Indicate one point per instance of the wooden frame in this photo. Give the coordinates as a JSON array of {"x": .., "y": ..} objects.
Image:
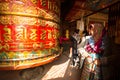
[{"x": 117, "y": 32}]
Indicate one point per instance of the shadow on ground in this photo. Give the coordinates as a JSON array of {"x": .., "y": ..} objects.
[{"x": 59, "y": 69}]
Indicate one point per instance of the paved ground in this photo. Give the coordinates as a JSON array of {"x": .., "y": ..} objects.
[{"x": 60, "y": 69}]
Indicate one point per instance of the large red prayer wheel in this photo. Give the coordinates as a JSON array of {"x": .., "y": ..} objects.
[{"x": 29, "y": 32}]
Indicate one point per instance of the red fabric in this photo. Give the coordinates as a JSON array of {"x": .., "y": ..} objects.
[
  {"x": 89, "y": 48},
  {"x": 96, "y": 47},
  {"x": 63, "y": 39}
]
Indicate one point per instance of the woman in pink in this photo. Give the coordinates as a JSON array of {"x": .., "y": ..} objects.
[{"x": 91, "y": 70}]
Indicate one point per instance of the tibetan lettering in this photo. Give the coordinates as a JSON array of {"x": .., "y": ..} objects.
[
  {"x": 49, "y": 34},
  {"x": 21, "y": 34},
  {"x": 7, "y": 34},
  {"x": 33, "y": 35}
]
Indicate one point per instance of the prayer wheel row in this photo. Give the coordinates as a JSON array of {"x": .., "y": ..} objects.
[{"x": 29, "y": 32}]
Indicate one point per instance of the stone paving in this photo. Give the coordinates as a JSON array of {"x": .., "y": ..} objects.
[{"x": 60, "y": 69}]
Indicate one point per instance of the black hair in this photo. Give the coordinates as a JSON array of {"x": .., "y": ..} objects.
[
  {"x": 76, "y": 31},
  {"x": 91, "y": 26}
]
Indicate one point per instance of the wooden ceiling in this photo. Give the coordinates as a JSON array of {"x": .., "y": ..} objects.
[{"x": 72, "y": 10}]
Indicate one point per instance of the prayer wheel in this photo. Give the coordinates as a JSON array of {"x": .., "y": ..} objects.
[{"x": 29, "y": 32}]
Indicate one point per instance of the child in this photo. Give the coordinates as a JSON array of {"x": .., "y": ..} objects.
[{"x": 75, "y": 39}]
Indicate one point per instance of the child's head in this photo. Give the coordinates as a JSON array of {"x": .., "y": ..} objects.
[{"x": 76, "y": 31}]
